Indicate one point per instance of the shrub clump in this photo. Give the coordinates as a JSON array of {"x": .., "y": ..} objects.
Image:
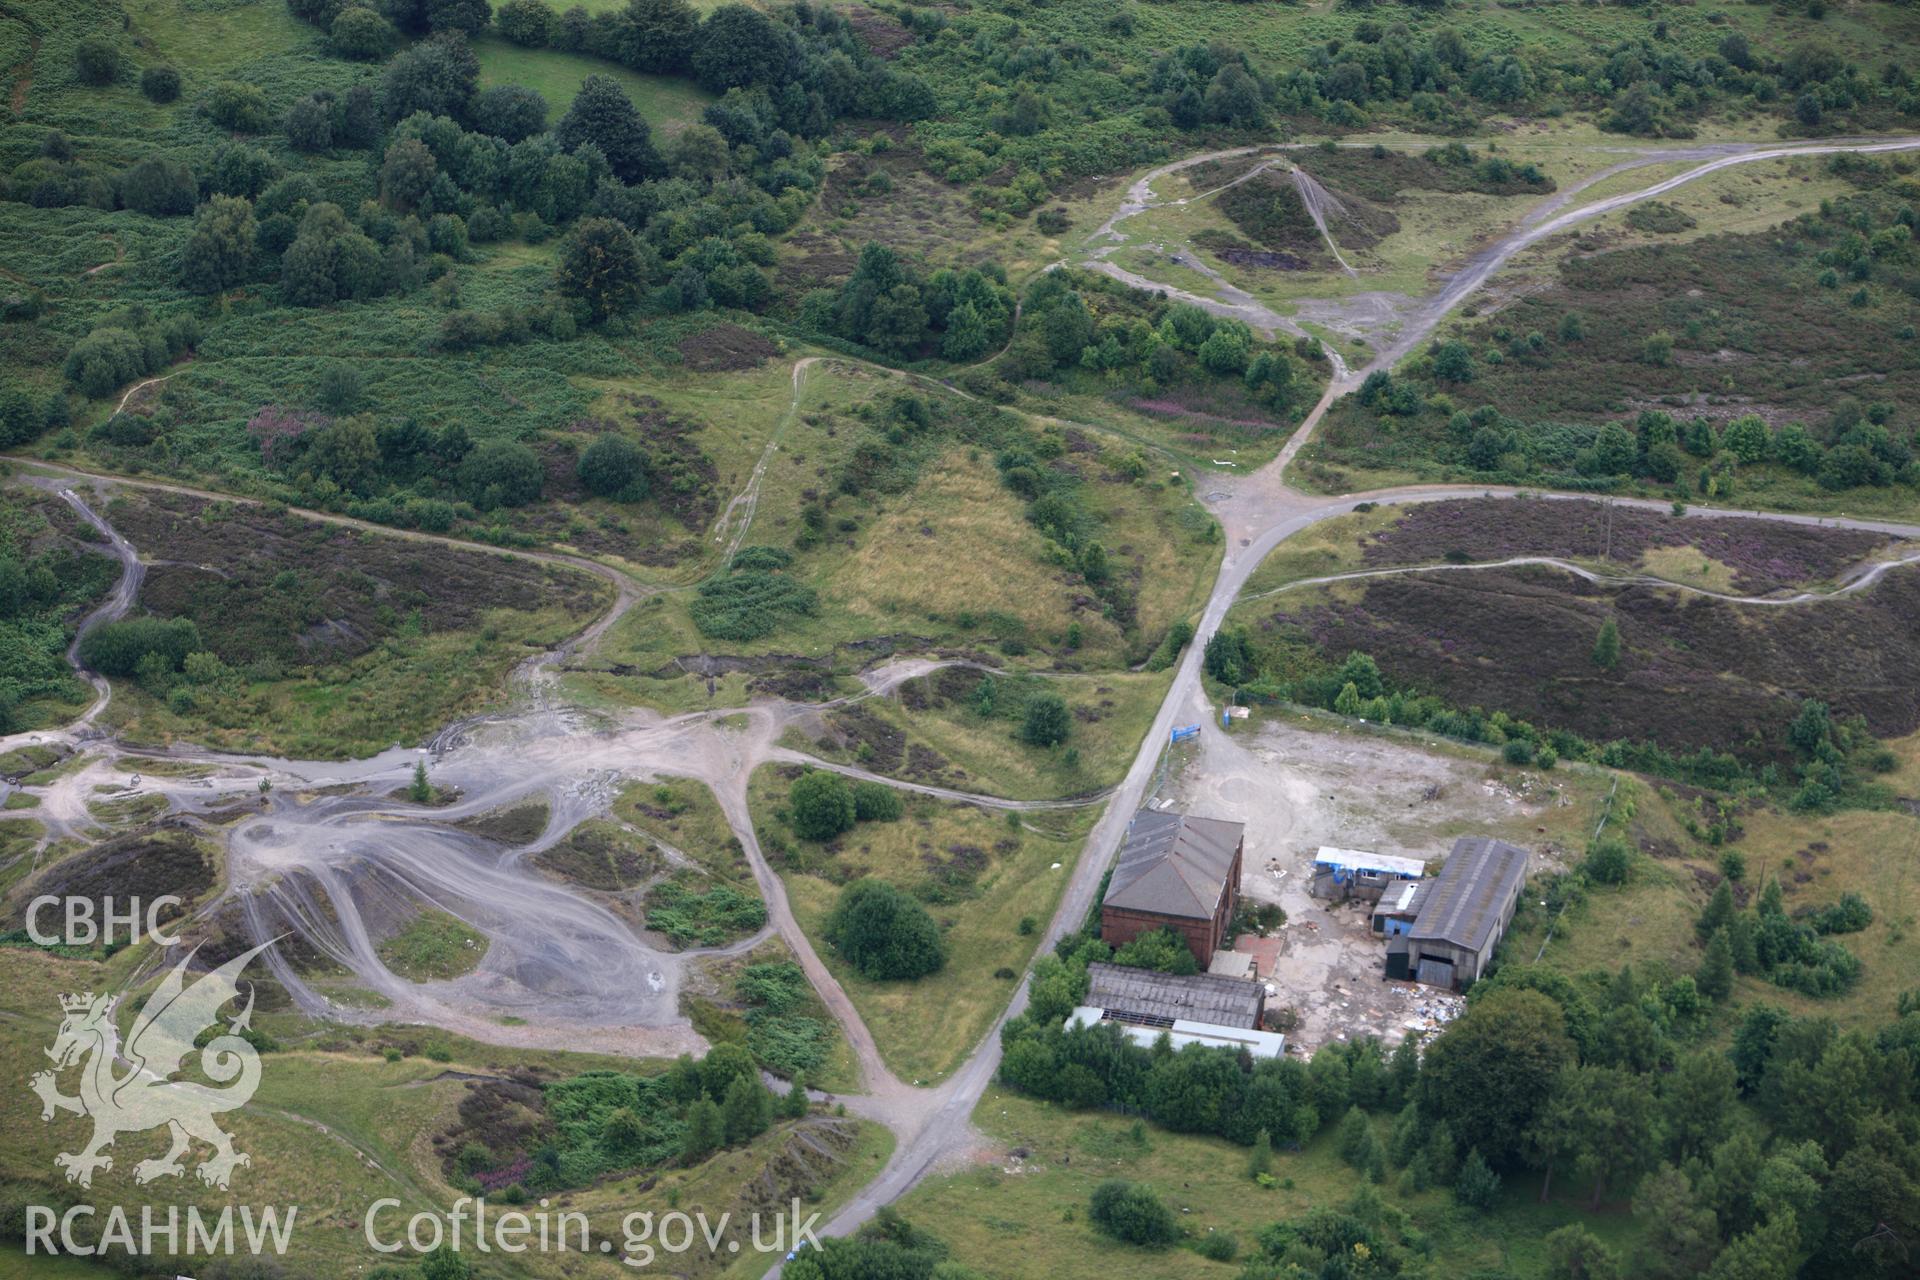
[
  {"x": 708, "y": 917},
  {"x": 884, "y": 934},
  {"x": 1129, "y": 1212},
  {"x": 160, "y": 84},
  {"x": 822, "y": 805},
  {"x": 878, "y": 802},
  {"x": 750, "y": 601}
]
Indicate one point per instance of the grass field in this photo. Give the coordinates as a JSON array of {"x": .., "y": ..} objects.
[
  {"x": 395, "y": 695},
  {"x": 667, "y": 102},
  {"x": 432, "y": 947},
  {"x": 936, "y": 552},
  {"x": 1649, "y": 921},
  {"x": 1029, "y": 1201},
  {"x": 684, "y": 816},
  {"x": 944, "y": 737},
  {"x": 984, "y": 877}
]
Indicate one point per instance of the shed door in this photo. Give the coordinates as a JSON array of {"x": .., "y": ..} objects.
[{"x": 1436, "y": 973}]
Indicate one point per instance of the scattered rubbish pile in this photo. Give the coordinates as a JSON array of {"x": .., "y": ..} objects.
[{"x": 1432, "y": 1009}]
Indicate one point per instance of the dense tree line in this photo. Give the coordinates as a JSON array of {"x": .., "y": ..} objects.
[
  {"x": 138, "y": 645},
  {"x": 1799, "y": 1140},
  {"x": 888, "y": 305},
  {"x": 1192, "y": 1090},
  {"x": 1646, "y": 86},
  {"x": 1077, "y": 320},
  {"x": 419, "y": 476},
  {"x": 805, "y": 57},
  {"x": 124, "y": 345}
]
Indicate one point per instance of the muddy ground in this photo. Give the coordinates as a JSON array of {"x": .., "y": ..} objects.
[{"x": 1297, "y": 788}]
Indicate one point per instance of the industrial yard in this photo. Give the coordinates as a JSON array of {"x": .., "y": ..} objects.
[{"x": 1300, "y": 782}]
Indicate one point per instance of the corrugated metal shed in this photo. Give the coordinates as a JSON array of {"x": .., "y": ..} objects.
[
  {"x": 1466, "y": 901},
  {"x": 1147, "y": 997},
  {"x": 1173, "y": 864}
]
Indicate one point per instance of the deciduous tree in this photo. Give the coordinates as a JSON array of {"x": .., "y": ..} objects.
[
  {"x": 1493, "y": 1069},
  {"x": 219, "y": 253},
  {"x": 602, "y": 266},
  {"x": 884, "y": 934},
  {"x": 822, "y": 805},
  {"x": 603, "y": 115}
]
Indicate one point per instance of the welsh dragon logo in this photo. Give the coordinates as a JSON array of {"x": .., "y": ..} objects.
[{"x": 145, "y": 1097}]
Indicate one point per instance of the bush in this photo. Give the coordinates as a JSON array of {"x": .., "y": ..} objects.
[
  {"x": 614, "y": 467},
  {"x": 603, "y": 266},
  {"x": 1162, "y": 950},
  {"x": 749, "y": 604},
  {"x": 510, "y": 111},
  {"x": 767, "y": 559},
  {"x": 160, "y": 84},
  {"x": 96, "y": 61},
  {"x": 1477, "y": 1186},
  {"x": 877, "y": 802},
  {"x": 309, "y": 125},
  {"x": 1046, "y": 722},
  {"x": 105, "y": 360},
  {"x": 822, "y": 804},
  {"x": 112, "y": 356},
  {"x": 1850, "y": 914},
  {"x": 160, "y": 188},
  {"x": 232, "y": 104},
  {"x": 525, "y": 22},
  {"x": 501, "y": 473},
  {"x": 361, "y": 35},
  {"x": 341, "y": 389},
  {"x": 707, "y": 917},
  {"x": 1133, "y": 1214},
  {"x": 1219, "y": 1246},
  {"x": 885, "y": 935},
  {"x": 1609, "y": 861}
]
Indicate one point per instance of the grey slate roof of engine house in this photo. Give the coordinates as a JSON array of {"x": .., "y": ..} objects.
[{"x": 1173, "y": 864}]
